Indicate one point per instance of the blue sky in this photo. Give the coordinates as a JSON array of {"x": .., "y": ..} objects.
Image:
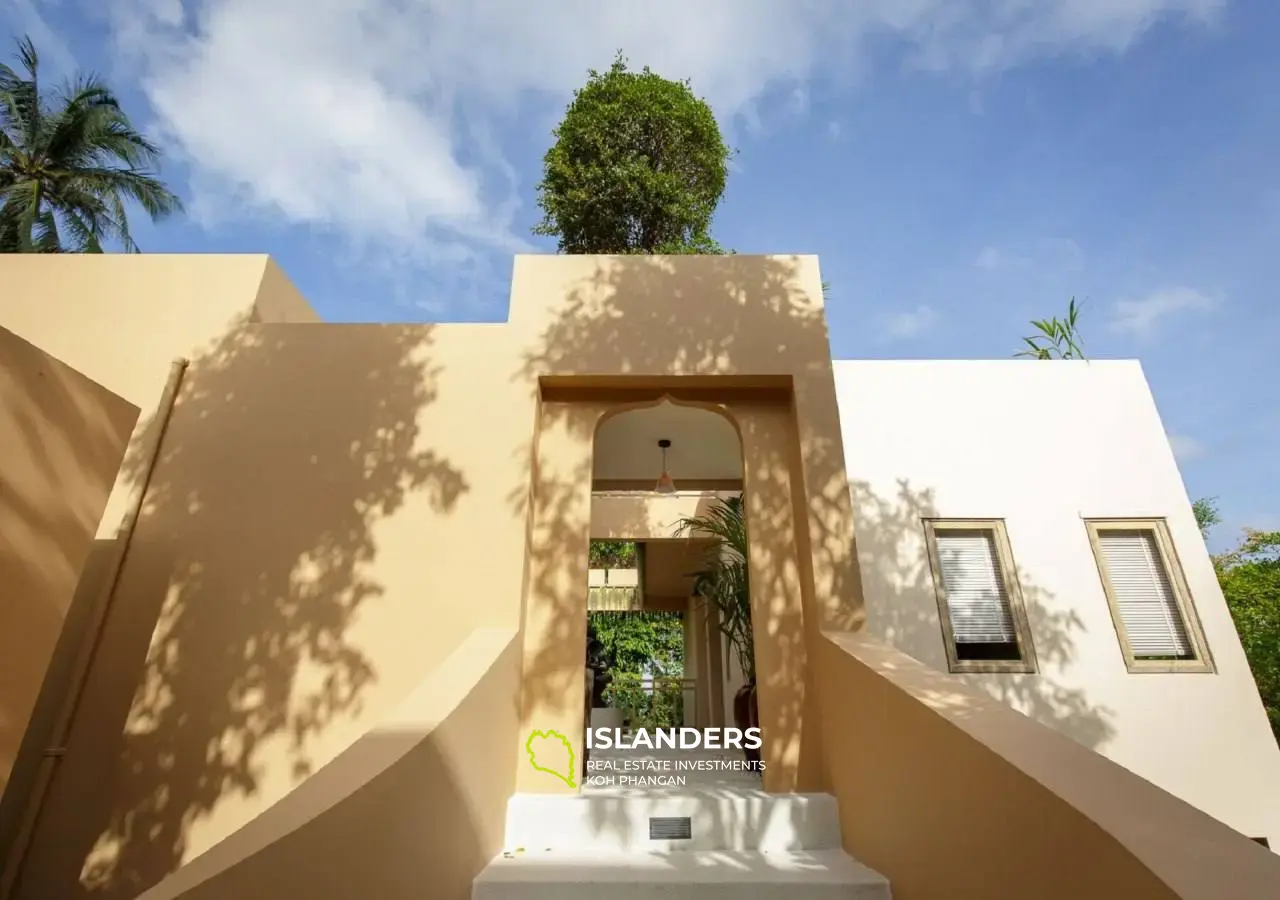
[{"x": 960, "y": 166}]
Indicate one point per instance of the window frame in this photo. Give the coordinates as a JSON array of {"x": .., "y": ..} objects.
[
  {"x": 1027, "y": 663},
  {"x": 1202, "y": 662}
]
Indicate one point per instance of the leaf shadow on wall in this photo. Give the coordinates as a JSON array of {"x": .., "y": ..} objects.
[
  {"x": 666, "y": 319},
  {"x": 63, "y": 439},
  {"x": 895, "y": 571},
  {"x": 652, "y": 317},
  {"x": 226, "y": 655}
]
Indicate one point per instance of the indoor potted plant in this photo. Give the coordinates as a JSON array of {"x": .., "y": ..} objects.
[{"x": 723, "y": 581}]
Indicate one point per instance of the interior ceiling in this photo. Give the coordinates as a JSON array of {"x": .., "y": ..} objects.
[
  {"x": 703, "y": 445},
  {"x": 668, "y": 564}
]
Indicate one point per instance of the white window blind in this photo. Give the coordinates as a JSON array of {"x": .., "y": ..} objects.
[
  {"x": 1143, "y": 595},
  {"x": 975, "y": 587}
]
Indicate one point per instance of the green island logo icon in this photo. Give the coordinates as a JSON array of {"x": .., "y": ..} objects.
[{"x": 547, "y": 747}]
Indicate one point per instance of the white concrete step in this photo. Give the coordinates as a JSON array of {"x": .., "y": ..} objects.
[
  {"x": 705, "y": 875},
  {"x": 718, "y": 819}
]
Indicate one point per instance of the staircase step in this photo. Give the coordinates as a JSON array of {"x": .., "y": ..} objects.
[
  {"x": 718, "y": 819},
  {"x": 702, "y": 875}
]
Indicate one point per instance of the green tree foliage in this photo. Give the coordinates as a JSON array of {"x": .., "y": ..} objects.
[
  {"x": 1250, "y": 579},
  {"x": 612, "y": 555},
  {"x": 638, "y": 166},
  {"x": 1206, "y": 510},
  {"x": 70, "y": 163},
  {"x": 639, "y": 643},
  {"x": 1055, "y": 338},
  {"x": 657, "y": 704}
]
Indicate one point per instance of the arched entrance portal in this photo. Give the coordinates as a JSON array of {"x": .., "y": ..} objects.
[
  {"x": 665, "y": 649},
  {"x": 567, "y": 512}
]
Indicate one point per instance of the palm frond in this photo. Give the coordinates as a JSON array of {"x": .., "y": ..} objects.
[
  {"x": 82, "y": 161},
  {"x": 724, "y": 581},
  {"x": 86, "y": 240},
  {"x": 28, "y": 91},
  {"x": 140, "y": 187},
  {"x": 44, "y": 233},
  {"x": 20, "y": 212}
]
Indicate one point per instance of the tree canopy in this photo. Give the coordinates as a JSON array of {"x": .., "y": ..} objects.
[
  {"x": 640, "y": 643},
  {"x": 70, "y": 163},
  {"x": 638, "y": 166},
  {"x": 1250, "y": 579},
  {"x": 612, "y": 555},
  {"x": 1206, "y": 512}
]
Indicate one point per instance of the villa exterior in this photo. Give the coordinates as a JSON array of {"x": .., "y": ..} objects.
[{"x": 284, "y": 600}]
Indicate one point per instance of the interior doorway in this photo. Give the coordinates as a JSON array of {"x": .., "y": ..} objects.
[
  {"x": 639, "y": 636},
  {"x": 669, "y": 636}
]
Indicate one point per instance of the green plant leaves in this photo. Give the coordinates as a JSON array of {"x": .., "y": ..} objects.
[
  {"x": 638, "y": 166},
  {"x": 1058, "y": 338},
  {"x": 612, "y": 555},
  {"x": 724, "y": 581},
  {"x": 70, "y": 163}
]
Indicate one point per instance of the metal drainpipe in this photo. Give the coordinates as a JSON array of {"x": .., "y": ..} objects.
[{"x": 83, "y": 664}]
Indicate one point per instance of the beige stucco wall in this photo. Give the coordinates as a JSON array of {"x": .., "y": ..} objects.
[
  {"x": 275, "y": 604},
  {"x": 1044, "y": 445},
  {"x": 62, "y": 437},
  {"x": 952, "y": 793},
  {"x": 669, "y": 564},
  {"x": 122, "y": 323},
  {"x": 344, "y": 520},
  {"x": 418, "y": 799},
  {"x": 334, "y": 513}
]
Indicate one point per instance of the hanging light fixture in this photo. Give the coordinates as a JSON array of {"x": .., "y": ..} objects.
[{"x": 665, "y": 485}]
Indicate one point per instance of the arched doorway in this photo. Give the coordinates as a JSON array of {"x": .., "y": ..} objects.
[
  {"x": 665, "y": 648},
  {"x": 566, "y": 513}
]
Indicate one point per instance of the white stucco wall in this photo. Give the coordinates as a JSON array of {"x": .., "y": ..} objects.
[{"x": 1043, "y": 446}]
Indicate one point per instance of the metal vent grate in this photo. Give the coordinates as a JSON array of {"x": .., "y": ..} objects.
[{"x": 670, "y": 828}]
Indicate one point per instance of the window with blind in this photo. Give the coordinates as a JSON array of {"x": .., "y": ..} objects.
[
  {"x": 979, "y": 601},
  {"x": 1148, "y": 598}
]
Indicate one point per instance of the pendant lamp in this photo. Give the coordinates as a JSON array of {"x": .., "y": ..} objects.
[{"x": 665, "y": 485}]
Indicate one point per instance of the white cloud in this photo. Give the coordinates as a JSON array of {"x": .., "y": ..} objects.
[
  {"x": 991, "y": 258},
  {"x": 799, "y": 101},
  {"x": 1186, "y": 448},
  {"x": 1140, "y": 317},
  {"x": 1046, "y": 254},
  {"x": 56, "y": 59},
  {"x": 834, "y": 128},
  {"x": 367, "y": 116},
  {"x": 902, "y": 326}
]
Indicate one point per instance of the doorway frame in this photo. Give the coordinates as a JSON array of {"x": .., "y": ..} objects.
[{"x": 564, "y": 519}]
